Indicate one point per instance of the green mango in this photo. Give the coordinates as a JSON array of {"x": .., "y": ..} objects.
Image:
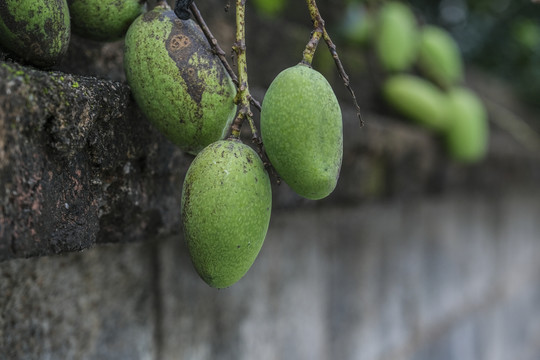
[
  {"x": 36, "y": 31},
  {"x": 226, "y": 206},
  {"x": 468, "y": 132},
  {"x": 439, "y": 56},
  {"x": 103, "y": 20},
  {"x": 302, "y": 131},
  {"x": 417, "y": 99},
  {"x": 396, "y": 38},
  {"x": 177, "y": 81}
]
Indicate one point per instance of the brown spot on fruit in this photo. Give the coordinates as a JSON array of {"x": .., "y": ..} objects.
[
  {"x": 186, "y": 92},
  {"x": 178, "y": 42}
]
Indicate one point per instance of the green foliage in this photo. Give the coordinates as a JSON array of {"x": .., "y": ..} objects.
[
  {"x": 301, "y": 128},
  {"x": 226, "y": 206}
]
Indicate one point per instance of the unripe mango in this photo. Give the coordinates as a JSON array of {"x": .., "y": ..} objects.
[
  {"x": 226, "y": 206},
  {"x": 468, "y": 132},
  {"x": 439, "y": 56},
  {"x": 103, "y": 20},
  {"x": 177, "y": 81},
  {"x": 396, "y": 38},
  {"x": 36, "y": 31},
  {"x": 417, "y": 99},
  {"x": 302, "y": 131}
]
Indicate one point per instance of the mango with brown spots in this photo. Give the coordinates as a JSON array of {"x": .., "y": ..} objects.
[{"x": 177, "y": 81}]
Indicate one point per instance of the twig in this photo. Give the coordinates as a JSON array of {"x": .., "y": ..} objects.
[
  {"x": 319, "y": 31},
  {"x": 239, "y": 48},
  {"x": 343, "y": 74},
  {"x": 316, "y": 34},
  {"x": 219, "y": 51},
  {"x": 213, "y": 42},
  {"x": 254, "y": 102},
  {"x": 243, "y": 97}
]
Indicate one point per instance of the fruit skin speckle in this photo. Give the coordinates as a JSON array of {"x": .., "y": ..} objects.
[
  {"x": 226, "y": 206},
  {"x": 36, "y": 31},
  {"x": 179, "y": 84},
  {"x": 103, "y": 20},
  {"x": 302, "y": 130}
]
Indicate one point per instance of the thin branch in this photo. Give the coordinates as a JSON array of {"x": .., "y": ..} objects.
[
  {"x": 319, "y": 31},
  {"x": 243, "y": 97},
  {"x": 219, "y": 51},
  {"x": 239, "y": 48},
  {"x": 343, "y": 74},
  {"x": 316, "y": 34},
  {"x": 213, "y": 42}
]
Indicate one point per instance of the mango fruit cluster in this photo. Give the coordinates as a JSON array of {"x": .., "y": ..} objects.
[
  {"x": 185, "y": 92},
  {"x": 226, "y": 196},
  {"x": 424, "y": 77},
  {"x": 183, "y": 89}
]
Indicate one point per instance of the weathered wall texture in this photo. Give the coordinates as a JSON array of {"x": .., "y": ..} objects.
[
  {"x": 413, "y": 257},
  {"x": 77, "y": 163},
  {"x": 449, "y": 277}
]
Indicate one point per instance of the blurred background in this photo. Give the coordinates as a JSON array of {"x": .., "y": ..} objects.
[
  {"x": 500, "y": 37},
  {"x": 421, "y": 253}
]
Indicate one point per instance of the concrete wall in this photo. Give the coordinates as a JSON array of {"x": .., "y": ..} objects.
[{"x": 449, "y": 277}]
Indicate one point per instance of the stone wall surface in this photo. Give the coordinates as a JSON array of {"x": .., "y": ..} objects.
[
  {"x": 412, "y": 257},
  {"x": 449, "y": 277}
]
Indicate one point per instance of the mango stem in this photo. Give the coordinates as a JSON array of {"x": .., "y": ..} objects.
[
  {"x": 213, "y": 42},
  {"x": 239, "y": 48},
  {"x": 319, "y": 31},
  {"x": 316, "y": 34}
]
